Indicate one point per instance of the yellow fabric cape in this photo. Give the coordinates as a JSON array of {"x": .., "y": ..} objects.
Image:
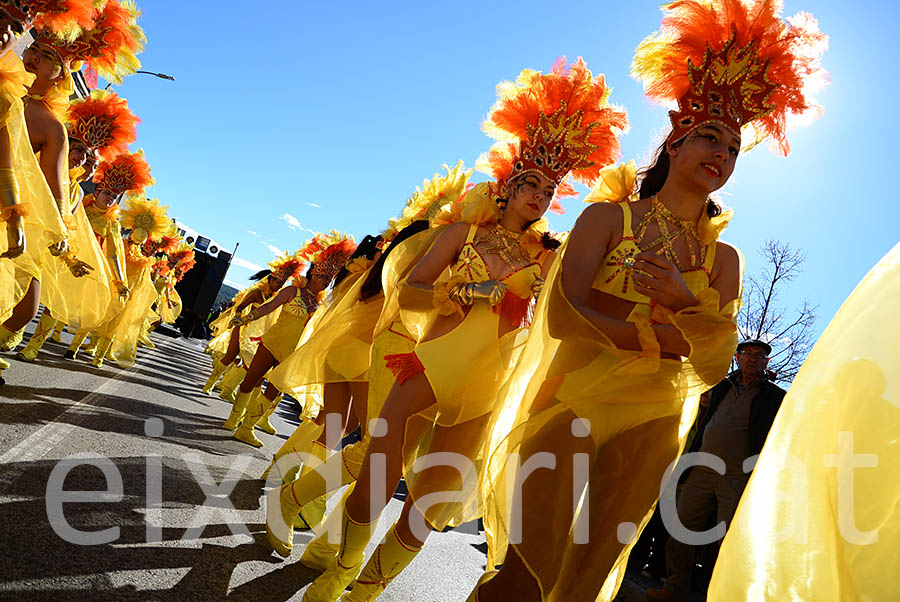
[
  {"x": 816, "y": 522},
  {"x": 43, "y": 225}
]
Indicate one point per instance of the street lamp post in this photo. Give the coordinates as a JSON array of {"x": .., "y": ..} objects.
[{"x": 159, "y": 75}]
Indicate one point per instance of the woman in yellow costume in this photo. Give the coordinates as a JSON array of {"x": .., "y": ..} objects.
[
  {"x": 119, "y": 338},
  {"x": 178, "y": 263},
  {"x": 22, "y": 183},
  {"x": 350, "y": 321},
  {"x": 317, "y": 397},
  {"x": 109, "y": 45},
  {"x": 124, "y": 173},
  {"x": 467, "y": 322},
  {"x": 298, "y": 302},
  {"x": 163, "y": 278},
  {"x": 639, "y": 317},
  {"x": 145, "y": 219},
  {"x": 31, "y": 219},
  {"x": 101, "y": 124},
  {"x": 233, "y": 345}
]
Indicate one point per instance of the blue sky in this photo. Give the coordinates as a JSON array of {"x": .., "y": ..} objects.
[{"x": 302, "y": 116}]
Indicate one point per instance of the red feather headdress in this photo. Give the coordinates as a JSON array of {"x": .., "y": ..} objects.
[
  {"x": 287, "y": 266},
  {"x": 735, "y": 63},
  {"x": 63, "y": 17},
  {"x": 126, "y": 173},
  {"x": 334, "y": 255},
  {"x": 103, "y": 122},
  {"x": 109, "y": 47},
  {"x": 555, "y": 124}
]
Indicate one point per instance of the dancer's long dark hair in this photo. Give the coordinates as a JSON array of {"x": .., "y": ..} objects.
[
  {"x": 367, "y": 248},
  {"x": 372, "y": 284}
]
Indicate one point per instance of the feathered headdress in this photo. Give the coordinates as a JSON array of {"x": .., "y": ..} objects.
[
  {"x": 287, "y": 266},
  {"x": 554, "y": 124},
  {"x": 167, "y": 243},
  {"x": 64, "y": 17},
  {"x": 126, "y": 173},
  {"x": 427, "y": 200},
  {"x": 181, "y": 259},
  {"x": 103, "y": 122},
  {"x": 146, "y": 219},
  {"x": 735, "y": 63},
  {"x": 109, "y": 48},
  {"x": 336, "y": 249}
]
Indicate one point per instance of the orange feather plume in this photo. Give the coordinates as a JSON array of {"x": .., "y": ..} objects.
[
  {"x": 739, "y": 47},
  {"x": 126, "y": 173},
  {"x": 63, "y": 17},
  {"x": 555, "y": 124},
  {"x": 103, "y": 122}
]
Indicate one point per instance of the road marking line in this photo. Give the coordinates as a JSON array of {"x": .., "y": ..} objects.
[{"x": 42, "y": 441}]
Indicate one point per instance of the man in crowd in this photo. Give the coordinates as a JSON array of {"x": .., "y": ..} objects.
[{"x": 741, "y": 410}]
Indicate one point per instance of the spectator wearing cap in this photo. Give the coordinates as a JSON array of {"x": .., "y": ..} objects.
[{"x": 734, "y": 428}]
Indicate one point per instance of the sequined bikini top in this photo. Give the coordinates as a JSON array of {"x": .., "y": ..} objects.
[
  {"x": 617, "y": 268},
  {"x": 471, "y": 267},
  {"x": 297, "y": 306}
]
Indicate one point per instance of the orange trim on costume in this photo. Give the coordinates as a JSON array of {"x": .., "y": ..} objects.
[{"x": 404, "y": 366}]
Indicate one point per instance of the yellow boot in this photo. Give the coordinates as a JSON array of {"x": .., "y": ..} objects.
[
  {"x": 245, "y": 432},
  {"x": 311, "y": 510},
  {"x": 76, "y": 344},
  {"x": 286, "y": 461},
  {"x": 286, "y": 512},
  {"x": 321, "y": 552},
  {"x": 57, "y": 332},
  {"x": 310, "y": 490},
  {"x": 42, "y": 332},
  {"x": 218, "y": 370},
  {"x": 264, "y": 424},
  {"x": 3, "y": 366},
  {"x": 238, "y": 411},
  {"x": 101, "y": 351},
  {"x": 9, "y": 340},
  {"x": 230, "y": 382},
  {"x": 388, "y": 561},
  {"x": 345, "y": 567}
]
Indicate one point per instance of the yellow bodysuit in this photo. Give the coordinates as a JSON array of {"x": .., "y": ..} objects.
[{"x": 283, "y": 336}]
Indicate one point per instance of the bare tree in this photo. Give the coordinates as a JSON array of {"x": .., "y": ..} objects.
[{"x": 788, "y": 330}]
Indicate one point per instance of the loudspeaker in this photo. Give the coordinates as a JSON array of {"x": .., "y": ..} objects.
[{"x": 199, "y": 288}]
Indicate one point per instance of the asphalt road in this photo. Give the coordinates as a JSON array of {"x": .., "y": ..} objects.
[{"x": 66, "y": 426}]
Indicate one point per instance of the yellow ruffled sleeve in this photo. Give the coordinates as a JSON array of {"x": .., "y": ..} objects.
[{"x": 712, "y": 334}]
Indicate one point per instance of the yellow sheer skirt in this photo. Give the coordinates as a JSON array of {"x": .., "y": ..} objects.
[
  {"x": 465, "y": 368},
  {"x": 81, "y": 302}
]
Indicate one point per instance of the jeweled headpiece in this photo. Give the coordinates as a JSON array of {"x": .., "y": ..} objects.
[
  {"x": 126, "y": 173},
  {"x": 109, "y": 47},
  {"x": 554, "y": 124},
  {"x": 146, "y": 219},
  {"x": 336, "y": 250},
  {"x": 287, "y": 266},
  {"x": 734, "y": 63},
  {"x": 181, "y": 259},
  {"x": 103, "y": 122}
]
